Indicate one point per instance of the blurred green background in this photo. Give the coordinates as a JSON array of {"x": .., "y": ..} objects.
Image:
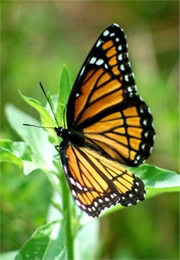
[{"x": 37, "y": 39}]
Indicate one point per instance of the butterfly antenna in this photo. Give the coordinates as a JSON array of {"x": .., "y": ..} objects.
[
  {"x": 49, "y": 103},
  {"x": 39, "y": 126}
]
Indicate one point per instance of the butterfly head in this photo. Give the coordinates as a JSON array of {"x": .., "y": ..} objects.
[{"x": 61, "y": 132}]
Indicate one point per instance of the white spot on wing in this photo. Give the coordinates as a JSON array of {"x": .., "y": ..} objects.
[
  {"x": 141, "y": 110},
  {"x": 115, "y": 24},
  {"x": 78, "y": 185},
  {"x": 120, "y": 48},
  {"x": 131, "y": 94},
  {"x": 74, "y": 193},
  {"x": 143, "y": 146},
  {"x": 95, "y": 204},
  {"x": 112, "y": 34},
  {"x": 122, "y": 67},
  {"x": 72, "y": 180},
  {"x": 82, "y": 70},
  {"x": 92, "y": 60},
  {"x": 98, "y": 43},
  {"x": 146, "y": 134},
  {"x": 120, "y": 57},
  {"x": 106, "y": 32},
  {"x": 100, "y": 61},
  {"x": 106, "y": 66},
  {"x": 145, "y": 122},
  {"x": 126, "y": 77},
  {"x": 135, "y": 162},
  {"x": 129, "y": 89},
  {"x": 78, "y": 203}
]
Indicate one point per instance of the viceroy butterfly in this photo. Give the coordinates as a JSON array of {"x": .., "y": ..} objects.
[{"x": 109, "y": 126}]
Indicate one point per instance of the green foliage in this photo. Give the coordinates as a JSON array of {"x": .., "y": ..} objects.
[
  {"x": 63, "y": 94},
  {"x": 45, "y": 243},
  {"x": 62, "y": 238}
]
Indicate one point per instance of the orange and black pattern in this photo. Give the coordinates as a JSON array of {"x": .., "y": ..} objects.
[
  {"x": 98, "y": 183},
  {"x": 126, "y": 135},
  {"x": 104, "y": 105},
  {"x": 108, "y": 124}
]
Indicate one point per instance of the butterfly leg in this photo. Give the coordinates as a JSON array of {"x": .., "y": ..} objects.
[
  {"x": 57, "y": 147},
  {"x": 56, "y": 156}
]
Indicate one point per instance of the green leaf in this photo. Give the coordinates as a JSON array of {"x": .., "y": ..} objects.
[
  {"x": 17, "y": 153},
  {"x": 49, "y": 242},
  {"x": 37, "y": 139},
  {"x": 14, "y": 152},
  {"x": 64, "y": 90},
  {"x": 19, "y": 149},
  {"x": 156, "y": 180},
  {"x": 46, "y": 243},
  {"x": 64, "y": 86},
  {"x": 46, "y": 119},
  {"x": 8, "y": 156}
]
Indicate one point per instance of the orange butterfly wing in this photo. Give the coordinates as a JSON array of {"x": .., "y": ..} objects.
[
  {"x": 109, "y": 121},
  {"x": 104, "y": 105},
  {"x": 97, "y": 182}
]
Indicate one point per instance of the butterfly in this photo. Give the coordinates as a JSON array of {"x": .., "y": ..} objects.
[{"x": 109, "y": 127}]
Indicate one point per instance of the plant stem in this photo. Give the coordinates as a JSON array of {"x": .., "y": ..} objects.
[{"x": 67, "y": 218}]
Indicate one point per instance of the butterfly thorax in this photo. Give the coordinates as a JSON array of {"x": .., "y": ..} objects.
[{"x": 72, "y": 136}]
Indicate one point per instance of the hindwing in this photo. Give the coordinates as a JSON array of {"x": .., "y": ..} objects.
[{"x": 97, "y": 182}]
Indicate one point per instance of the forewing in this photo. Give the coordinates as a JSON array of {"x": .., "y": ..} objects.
[
  {"x": 97, "y": 182},
  {"x": 104, "y": 105},
  {"x": 103, "y": 79}
]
